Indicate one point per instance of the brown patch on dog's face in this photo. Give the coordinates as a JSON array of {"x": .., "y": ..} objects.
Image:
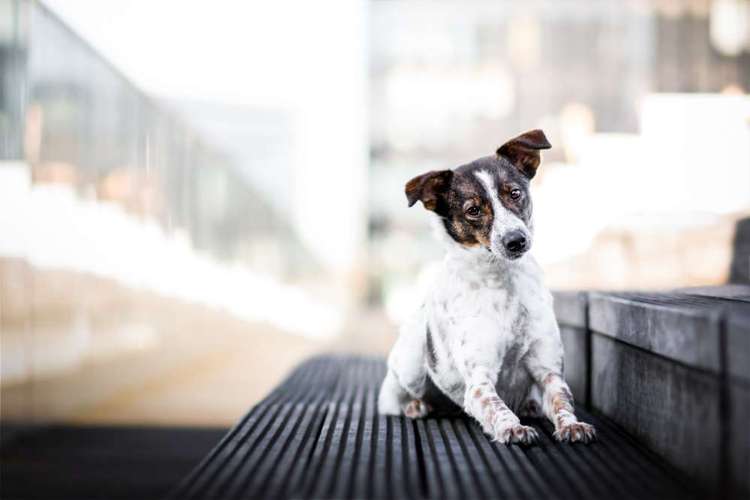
[
  {"x": 458, "y": 198},
  {"x": 468, "y": 218}
]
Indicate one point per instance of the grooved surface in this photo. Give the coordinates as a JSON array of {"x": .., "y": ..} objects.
[
  {"x": 318, "y": 435},
  {"x": 66, "y": 462}
]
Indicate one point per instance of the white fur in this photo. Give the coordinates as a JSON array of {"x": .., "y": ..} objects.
[
  {"x": 494, "y": 335},
  {"x": 503, "y": 220}
]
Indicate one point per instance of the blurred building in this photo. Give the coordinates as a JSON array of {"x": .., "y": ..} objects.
[
  {"x": 202, "y": 205},
  {"x": 146, "y": 239}
]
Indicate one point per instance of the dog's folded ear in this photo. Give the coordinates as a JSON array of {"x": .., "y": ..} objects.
[
  {"x": 523, "y": 151},
  {"x": 430, "y": 188}
]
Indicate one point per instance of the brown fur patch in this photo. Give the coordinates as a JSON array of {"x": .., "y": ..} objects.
[
  {"x": 523, "y": 151},
  {"x": 561, "y": 402}
]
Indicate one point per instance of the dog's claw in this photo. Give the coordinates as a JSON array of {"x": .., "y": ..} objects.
[
  {"x": 520, "y": 434},
  {"x": 576, "y": 432}
]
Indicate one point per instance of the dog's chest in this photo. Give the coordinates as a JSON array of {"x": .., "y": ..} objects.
[
  {"x": 478, "y": 320},
  {"x": 482, "y": 314},
  {"x": 472, "y": 303}
]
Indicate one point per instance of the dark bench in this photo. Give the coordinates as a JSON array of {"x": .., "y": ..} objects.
[
  {"x": 665, "y": 377},
  {"x": 318, "y": 435}
]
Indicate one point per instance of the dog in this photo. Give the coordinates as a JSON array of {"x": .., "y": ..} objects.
[{"x": 486, "y": 334}]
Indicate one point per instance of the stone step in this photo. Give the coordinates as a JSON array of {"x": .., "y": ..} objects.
[{"x": 672, "y": 368}]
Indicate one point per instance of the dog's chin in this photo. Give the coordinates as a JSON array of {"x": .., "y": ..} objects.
[{"x": 506, "y": 255}]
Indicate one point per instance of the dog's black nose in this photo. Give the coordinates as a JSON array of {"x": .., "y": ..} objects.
[{"x": 515, "y": 242}]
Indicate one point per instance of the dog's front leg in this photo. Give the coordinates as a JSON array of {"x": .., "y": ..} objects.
[
  {"x": 545, "y": 365},
  {"x": 557, "y": 404},
  {"x": 482, "y": 402}
]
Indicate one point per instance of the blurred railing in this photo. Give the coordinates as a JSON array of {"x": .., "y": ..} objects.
[{"x": 111, "y": 206}]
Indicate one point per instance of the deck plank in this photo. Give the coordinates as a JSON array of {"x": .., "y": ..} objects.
[{"x": 319, "y": 436}]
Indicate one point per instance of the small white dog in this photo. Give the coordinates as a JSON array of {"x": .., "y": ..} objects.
[{"x": 486, "y": 335}]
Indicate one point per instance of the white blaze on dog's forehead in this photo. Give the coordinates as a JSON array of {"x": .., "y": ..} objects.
[
  {"x": 489, "y": 185},
  {"x": 504, "y": 220}
]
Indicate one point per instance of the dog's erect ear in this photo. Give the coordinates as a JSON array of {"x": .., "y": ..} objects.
[
  {"x": 523, "y": 151},
  {"x": 429, "y": 188}
]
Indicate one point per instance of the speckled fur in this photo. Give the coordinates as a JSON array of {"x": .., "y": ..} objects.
[{"x": 486, "y": 334}]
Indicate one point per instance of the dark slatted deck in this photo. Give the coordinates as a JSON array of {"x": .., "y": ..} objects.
[
  {"x": 318, "y": 435},
  {"x": 64, "y": 462}
]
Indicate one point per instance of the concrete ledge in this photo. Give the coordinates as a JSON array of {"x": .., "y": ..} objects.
[
  {"x": 738, "y": 375},
  {"x": 673, "y": 408},
  {"x": 736, "y": 291},
  {"x": 570, "y": 308},
  {"x": 571, "y": 313},
  {"x": 738, "y": 341},
  {"x": 739, "y": 439},
  {"x": 576, "y": 362},
  {"x": 681, "y": 328},
  {"x": 673, "y": 369}
]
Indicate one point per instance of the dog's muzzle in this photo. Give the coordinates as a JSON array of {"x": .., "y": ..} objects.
[{"x": 515, "y": 244}]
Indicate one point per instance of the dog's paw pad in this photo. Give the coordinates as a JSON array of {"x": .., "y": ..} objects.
[
  {"x": 576, "y": 432},
  {"x": 520, "y": 434},
  {"x": 416, "y": 409}
]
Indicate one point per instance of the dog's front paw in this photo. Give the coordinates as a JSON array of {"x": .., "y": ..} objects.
[
  {"x": 516, "y": 433},
  {"x": 575, "y": 432}
]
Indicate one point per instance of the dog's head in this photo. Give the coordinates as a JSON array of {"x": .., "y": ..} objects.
[{"x": 486, "y": 203}]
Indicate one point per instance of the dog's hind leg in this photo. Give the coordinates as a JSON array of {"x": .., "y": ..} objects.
[
  {"x": 404, "y": 384},
  {"x": 395, "y": 400},
  {"x": 393, "y": 397}
]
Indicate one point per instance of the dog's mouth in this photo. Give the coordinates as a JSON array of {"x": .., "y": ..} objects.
[
  {"x": 514, "y": 255},
  {"x": 503, "y": 252}
]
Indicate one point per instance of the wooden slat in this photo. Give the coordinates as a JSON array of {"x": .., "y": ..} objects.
[{"x": 319, "y": 436}]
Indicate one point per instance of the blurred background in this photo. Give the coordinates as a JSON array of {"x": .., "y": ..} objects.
[{"x": 194, "y": 197}]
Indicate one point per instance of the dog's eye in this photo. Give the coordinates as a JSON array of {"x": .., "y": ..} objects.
[
  {"x": 515, "y": 194},
  {"x": 473, "y": 211}
]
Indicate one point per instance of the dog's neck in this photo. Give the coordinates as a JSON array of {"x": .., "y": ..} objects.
[{"x": 478, "y": 264}]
